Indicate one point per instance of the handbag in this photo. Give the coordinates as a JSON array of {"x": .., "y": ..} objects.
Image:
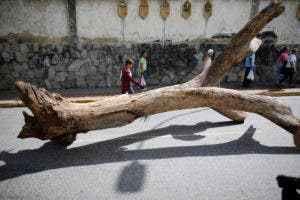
[
  {"x": 143, "y": 81},
  {"x": 250, "y": 75},
  {"x": 283, "y": 68}
]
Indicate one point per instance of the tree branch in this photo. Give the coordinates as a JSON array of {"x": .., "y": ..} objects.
[{"x": 238, "y": 48}]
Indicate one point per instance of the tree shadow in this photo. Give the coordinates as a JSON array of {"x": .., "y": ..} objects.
[
  {"x": 54, "y": 156},
  {"x": 180, "y": 133},
  {"x": 132, "y": 178},
  {"x": 178, "y": 116}
]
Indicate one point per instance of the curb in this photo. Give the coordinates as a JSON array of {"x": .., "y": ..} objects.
[
  {"x": 11, "y": 103},
  {"x": 279, "y": 94}
]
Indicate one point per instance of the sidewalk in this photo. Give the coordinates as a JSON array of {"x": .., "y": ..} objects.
[{"x": 10, "y": 98}]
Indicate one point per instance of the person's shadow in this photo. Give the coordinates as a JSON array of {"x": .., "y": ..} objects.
[{"x": 54, "y": 156}]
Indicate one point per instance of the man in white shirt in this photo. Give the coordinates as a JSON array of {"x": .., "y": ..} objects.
[
  {"x": 207, "y": 59},
  {"x": 291, "y": 67}
]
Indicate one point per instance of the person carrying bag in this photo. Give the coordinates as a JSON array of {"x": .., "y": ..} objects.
[
  {"x": 143, "y": 68},
  {"x": 249, "y": 70}
]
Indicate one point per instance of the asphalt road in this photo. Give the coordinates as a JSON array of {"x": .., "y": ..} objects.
[{"x": 187, "y": 154}]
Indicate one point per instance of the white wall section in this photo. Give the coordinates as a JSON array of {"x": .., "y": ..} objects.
[
  {"x": 98, "y": 19},
  {"x": 39, "y": 18}
]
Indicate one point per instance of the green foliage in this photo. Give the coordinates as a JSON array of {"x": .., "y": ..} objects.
[
  {"x": 146, "y": 118},
  {"x": 83, "y": 101}
]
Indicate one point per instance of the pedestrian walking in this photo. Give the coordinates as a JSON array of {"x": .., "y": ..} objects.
[
  {"x": 199, "y": 56},
  {"x": 249, "y": 70},
  {"x": 207, "y": 59},
  {"x": 282, "y": 61},
  {"x": 290, "y": 68},
  {"x": 143, "y": 68},
  {"x": 126, "y": 78}
]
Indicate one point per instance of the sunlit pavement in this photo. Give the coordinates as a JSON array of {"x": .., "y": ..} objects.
[{"x": 188, "y": 154}]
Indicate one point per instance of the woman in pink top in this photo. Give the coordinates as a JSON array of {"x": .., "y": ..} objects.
[{"x": 284, "y": 54}]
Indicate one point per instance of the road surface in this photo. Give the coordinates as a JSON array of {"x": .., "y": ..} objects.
[{"x": 187, "y": 154}]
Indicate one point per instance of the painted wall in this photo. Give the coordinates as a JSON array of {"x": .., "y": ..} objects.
[
  {"x": 229, "y": 16},
  {"x": 287, "y": 26},
  {"x": 98, "y": 19},
  {"x": 39, "y": 18}
]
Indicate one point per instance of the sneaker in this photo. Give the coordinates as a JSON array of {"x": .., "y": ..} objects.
[
  {"x": 277, "y": 85},
  {"x": 282, "y": 85}
]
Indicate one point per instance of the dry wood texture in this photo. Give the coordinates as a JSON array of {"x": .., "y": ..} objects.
[{"x": 57, "y": 119}]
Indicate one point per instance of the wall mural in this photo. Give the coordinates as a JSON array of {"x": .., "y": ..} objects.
[
  {"x": 165, "y": 9},
  {"x": 122, "y": 9},
  {"x": 207, "y": 10},
  {"x": 144, "y": 9},
  {"x": 186, "y": 9}
]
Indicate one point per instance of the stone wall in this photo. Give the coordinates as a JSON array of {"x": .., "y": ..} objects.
[{"x": 85, "y": 65}]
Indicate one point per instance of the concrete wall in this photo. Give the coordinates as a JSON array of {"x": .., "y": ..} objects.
[
  {"x": 286, "y": 26},
  {"x": 98, "y": 19},
  {"x": 229, "y": 16},
  {"x": 39, "y": 18}
]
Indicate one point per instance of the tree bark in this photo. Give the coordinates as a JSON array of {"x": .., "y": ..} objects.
[
  {"x": 238, "y": 48},
  {"x": 57, "y": 119}
]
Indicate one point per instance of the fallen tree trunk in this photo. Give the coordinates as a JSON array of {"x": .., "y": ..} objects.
[
  {"x": 60, "y": 120},
  {"x": 57, "y": 119}
]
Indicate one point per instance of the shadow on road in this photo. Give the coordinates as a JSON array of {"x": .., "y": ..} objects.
[
  {"x": 186, "y": 133},
  {"x": 54, "y": 156},
  {"x": 132, "y": 178}
]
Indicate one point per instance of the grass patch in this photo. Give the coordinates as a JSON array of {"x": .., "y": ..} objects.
[
  {"x": 83, "y": 101},
  {"x": 11, "y": 104},
  {"x": 279, "y": 94}
]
